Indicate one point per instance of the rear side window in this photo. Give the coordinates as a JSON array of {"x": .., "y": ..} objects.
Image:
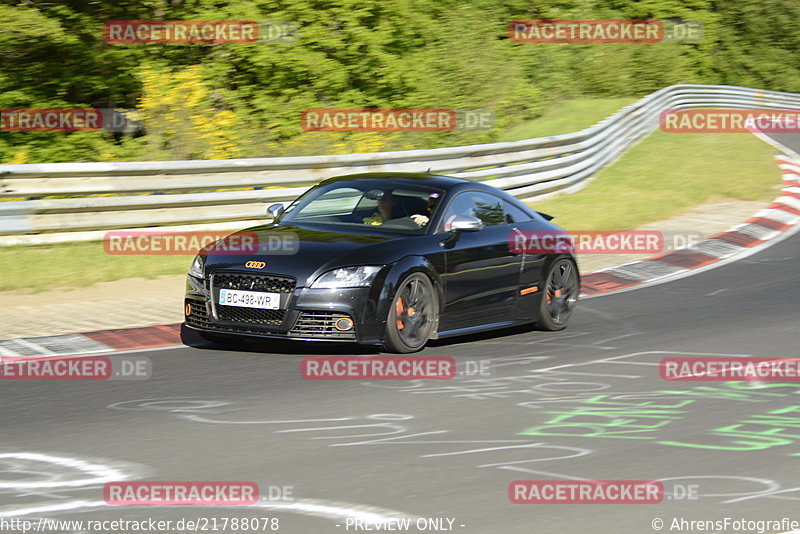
[
  {"x": 514, "y": 214},
  {"x": 488, "y": 208}
]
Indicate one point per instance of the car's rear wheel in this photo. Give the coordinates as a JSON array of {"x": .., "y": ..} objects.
[
  {"x": 560, "y": 295},
  {"x": 412, "y": 316}
]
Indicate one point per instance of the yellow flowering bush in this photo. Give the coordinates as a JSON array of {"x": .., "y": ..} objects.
[{"x": 180, "y": 119}]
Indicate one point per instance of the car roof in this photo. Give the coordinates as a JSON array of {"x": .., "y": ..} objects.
[
  {"x": 449, "y": 184},
  {"x": 409, "y": 178}
]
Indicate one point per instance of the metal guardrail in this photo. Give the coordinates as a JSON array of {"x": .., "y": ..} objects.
[{"x": 159, "y": 193}]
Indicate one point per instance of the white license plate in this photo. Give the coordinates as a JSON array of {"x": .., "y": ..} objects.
[{"x": 249, "y": 299}]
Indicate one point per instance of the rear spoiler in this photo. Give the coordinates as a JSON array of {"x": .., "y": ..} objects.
[{"x": 546, "y": 216}]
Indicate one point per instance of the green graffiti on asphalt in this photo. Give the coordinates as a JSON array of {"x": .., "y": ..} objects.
[
  {"x": 599, "y": 417},
  {"x": 770, "y": 430},
  {"x": 631, "y": 416}
]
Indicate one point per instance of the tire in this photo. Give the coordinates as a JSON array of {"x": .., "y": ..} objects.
[
  {"x": 412, "y": 315},
  {"x": 560, "y": 295}
]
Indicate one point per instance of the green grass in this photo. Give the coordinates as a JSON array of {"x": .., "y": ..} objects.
[
  {"x": 73, "y": 265},
  {"x": 666, "y": 174},
  {"x": 660, "y": 177},
  {"x": 567, "y": 117}
]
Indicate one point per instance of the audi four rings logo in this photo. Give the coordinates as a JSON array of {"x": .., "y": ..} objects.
[{"x": 255, "y": 264}]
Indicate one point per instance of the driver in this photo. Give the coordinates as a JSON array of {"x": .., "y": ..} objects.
[{"x": 387, "y": 204}]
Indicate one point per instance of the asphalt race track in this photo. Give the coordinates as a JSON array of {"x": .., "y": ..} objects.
[{"x": 586, "y": 403}]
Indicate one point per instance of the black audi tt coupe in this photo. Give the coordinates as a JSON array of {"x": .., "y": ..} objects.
[{"x": 389, "y": 259}]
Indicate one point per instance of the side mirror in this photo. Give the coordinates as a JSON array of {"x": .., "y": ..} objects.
[
  {"x": 460, "y": 223},
  {"x": 466, "y": 223},
  {"x": 275, "y": 210}
]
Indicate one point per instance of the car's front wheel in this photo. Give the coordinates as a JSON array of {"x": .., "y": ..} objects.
[
  {"x": 560, "y": 295},
  {"x": 412, "y": 316}
]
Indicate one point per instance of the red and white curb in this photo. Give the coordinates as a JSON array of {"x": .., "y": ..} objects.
[
  {"x": 99, "y": 342},
  {"x": 779, "y": 217},
  {"x": 743, "y": 239}
]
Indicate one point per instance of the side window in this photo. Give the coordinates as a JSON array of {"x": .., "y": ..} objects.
[
  {"x": 488, "y": 208},
  {"x": 514, "y": 214}
]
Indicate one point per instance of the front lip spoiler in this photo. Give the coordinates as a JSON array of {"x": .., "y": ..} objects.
[{"x": 267, "y": 335}]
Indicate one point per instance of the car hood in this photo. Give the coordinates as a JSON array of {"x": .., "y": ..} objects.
[{"x": 301, "y": 252}]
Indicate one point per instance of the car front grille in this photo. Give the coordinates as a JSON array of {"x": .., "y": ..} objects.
[
  {"x": 320, "y": 324},
  {"x": 252, "y": 316},
  {"x": 254, "y": 282},
  {"x": 199, "y": 314},
  {"x": 309, "y": 324}
]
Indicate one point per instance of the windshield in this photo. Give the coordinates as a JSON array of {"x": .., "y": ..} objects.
[{"x": 385, "y": 207}]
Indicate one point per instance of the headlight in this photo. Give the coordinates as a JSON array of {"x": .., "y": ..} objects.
[
  {"x": 347, "y": 277},
  {"x": 198, "y": 267}
]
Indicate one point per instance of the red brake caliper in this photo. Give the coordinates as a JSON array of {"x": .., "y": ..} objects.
[
  {"x": 556, "y": 294},
  {"x": 399, "y": 309}
]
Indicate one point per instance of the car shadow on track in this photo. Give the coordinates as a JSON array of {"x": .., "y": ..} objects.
[
  {"x": 490, "y": 335},
  {"x": 191, "y": 338},
  {"x": 305, "y": 348}
]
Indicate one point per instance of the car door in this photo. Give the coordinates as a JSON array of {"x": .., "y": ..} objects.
[
  {"x": 533, "y": 261},
  {"x": 481, "y": 275}
]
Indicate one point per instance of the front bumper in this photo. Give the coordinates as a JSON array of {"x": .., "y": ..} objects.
[{"x": 306, "y": 314}]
